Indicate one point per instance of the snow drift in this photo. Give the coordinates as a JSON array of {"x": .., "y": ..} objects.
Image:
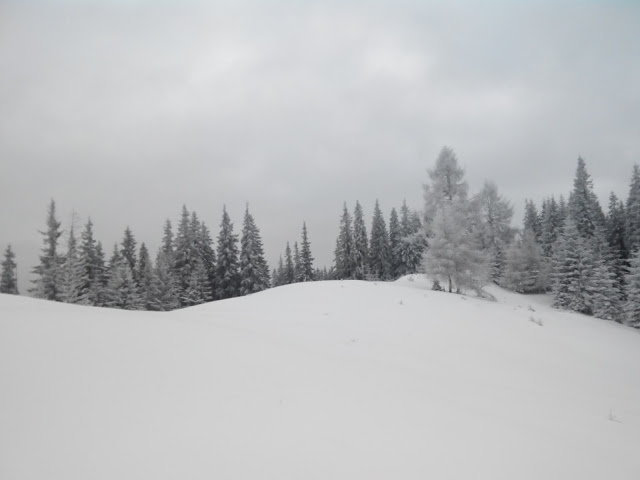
[{"x": 328, "y": 380}]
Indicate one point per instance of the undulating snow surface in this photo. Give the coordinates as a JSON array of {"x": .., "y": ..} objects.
[{"x": 329, "y": 380}]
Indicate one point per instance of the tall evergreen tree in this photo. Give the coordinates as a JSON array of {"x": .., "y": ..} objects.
[
  {"x": 632, "y": 304},
  {"x": 584, "y": 207},
  {"x": 532, "y": 220},
  {"x": 306, "y": 260},
  {"x": 289, "y": 271},
  {"x": 573, "y": 265},
  {"x": 396, "y": 267},
  {"x": 71, "y": 270},
  {"x": 208, "y": 257},
  {"x": 227, "y": 274},
  {"x": 9, "y": 276},
  {"x": 48, "y": 271},
  {"x": 632, "y": 223},
  {"x": 122, "y": 291},
  {"x": 90, "y": 291},
  {"x": 145, "y": 278},
  {"x": 254, "y": 271},
  {"x": 101, "y": 277},
  {"x": 129, "y": 251},
  {"x": 183, "y": 261},
  {"x": 615, "y": 231},
  {"x": 164, "y": 288},
  {"x": 344, "y": 247},
  {"x": 550, "y": 225},
  {"x": 379, "y": 250},
  {"x": 296, "y": 262},
  {"x": 360, "y": 250}
]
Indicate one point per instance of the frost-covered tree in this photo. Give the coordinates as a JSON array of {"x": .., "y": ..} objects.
[
  {"x": 207, "y": 256},
  {"x": 183, "y": 256},
  {"x": 345, "y": 268},
  {"x": 525, "y": 269},
  {"x": 71, "y": 270},
  {"x": 379, "y": 251},
  {"x": 532, "y": 221},
  {"x": 289, "y": 272},
  {"x": 92, "y": 281},
  {"x": 573, "y": 265},
  {"x": 454, "y": 256},
  {"x": 9, "y": 275},
  {"x": 306, "y": 260},
  {"x": 296, "y": 262},
  {"x": 605, "y": 291},
  {"x": 550, "y": 224},
  {"x": 48, "y": 282},
  {"x": 360, "y": 250},
  {"x": 164, "y": 290},
  {"x": 632, "y": 224},
  {"x": 396, "y": 267},
  {"x": 494, "y": 228},
  {"x": 144, "y": 275},
  {"x": 615, "y": 232},
  {"x": 254, "y": 271},
  {"x": 412, "y": 241},
  {"x": 122, "y": 291},
  {"x": 584, "y": 208},
  {"x": 129, "y": 251},
  {"x": 632, "y": 304},
  {"x": 227, "y": 269}
]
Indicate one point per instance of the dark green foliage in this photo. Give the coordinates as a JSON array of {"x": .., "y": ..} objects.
[
  {"x": 48, "y": 272},
  {"x": 227, "y": 274},
  {"x": 379, "y": 251}
]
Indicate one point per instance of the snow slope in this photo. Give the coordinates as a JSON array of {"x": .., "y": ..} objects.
[{"x": 328, "y": 380}]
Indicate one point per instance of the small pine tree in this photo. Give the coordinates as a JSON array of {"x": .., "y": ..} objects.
[
  {"x": 9, "y": 276},
  {"x": 71, "y": 270},
  {"x": 532, "y": 221},
  {"x": 164, "y": 290},
  {"x": 584, "y": 207},
  {"x": 122, "y": 291},
  {"x": 129, "y": 251},
  {"x": 525, "y": 269},
  {"x": 296, "y": 263},
  {"x": 145, "y": 277}
]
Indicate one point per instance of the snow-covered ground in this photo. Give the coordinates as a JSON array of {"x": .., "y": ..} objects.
[{"x": 328, "y": 380}]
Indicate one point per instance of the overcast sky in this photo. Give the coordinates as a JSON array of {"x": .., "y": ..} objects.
[{"x": 125, "y": 110}]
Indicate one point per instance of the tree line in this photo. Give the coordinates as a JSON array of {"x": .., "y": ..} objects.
[{"x": 587, "y": 259}]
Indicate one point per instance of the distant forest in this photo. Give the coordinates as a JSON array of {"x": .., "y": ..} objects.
[{"x": 587, "y": 259}]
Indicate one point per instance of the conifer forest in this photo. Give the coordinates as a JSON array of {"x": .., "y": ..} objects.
[{"x": 583, "y": 254}]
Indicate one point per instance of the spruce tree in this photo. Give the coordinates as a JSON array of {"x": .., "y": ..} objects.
[
  {"x": 129, "y": 251},
  {"x": 71, "y": 270},
  {"x": 632, "y": 223},
  {"x": 48, "y": 283},
  {"x": 164, "y": 288},
  {"x": 306, "y": 260},
  {"x": 289, "y": 267},
  {"x": 91, "y": 281},
  {"x": 396, "y": 267},
  {"x": 532, "y": 221},
  {"x": 101, "y": 276},
  {"x": 525, "y": 270},
  {"x": 296, "y": 262},
  {"x": 360, "y": 250},
  {"x": 208, "y": 257},
  {"x": 343, "y": 252},
  {"x": 573, "y": 265},
  {"x": 145, "y": 277},
  {"x": 227, "y": 274},
  {"x": 615, "y": 231},
  {"x": 550, "y": 225},
  {"x": 412, "y": 243},
  {"x": 9, "y": 276},
  {"x": 254, "y": 271},
  {"x": 183, "y": 255},
  {"x": 584, "y": 207},
  {"x": 632, "y": 304},
  {"x": 122, "y": 291},
  {"x": 379, "y": 251}
]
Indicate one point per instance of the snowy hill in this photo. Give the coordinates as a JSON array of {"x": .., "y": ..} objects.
[{"x": 328, "y": 380}]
